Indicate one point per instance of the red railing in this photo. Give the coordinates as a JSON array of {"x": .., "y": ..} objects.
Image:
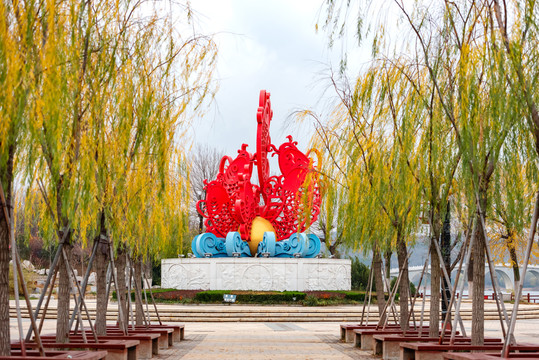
[
  {"x": 421, "y": 295},
  {"x": 530, "y": 298}
]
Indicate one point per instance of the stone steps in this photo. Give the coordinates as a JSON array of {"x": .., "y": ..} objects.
[{"x": 238, "y": 313}]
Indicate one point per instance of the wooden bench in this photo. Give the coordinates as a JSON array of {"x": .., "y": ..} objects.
[
  {"x": 148, "y": 343},
  {"x": 347, "y": 330},
  {"x": 364, "y": 337},
  {"x": 34, "y": 355},
  {"x": 178, "y": 330},
  {"x": 435, "y": 351},
  {"x": 165, "y": 338},
  {"x": 389, "y": 345},
  {"x": 116, "y": 349},
  {"x": 490, "y": 356}
]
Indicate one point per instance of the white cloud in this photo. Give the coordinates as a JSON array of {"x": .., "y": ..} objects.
[{"x": 268, "y": 45}]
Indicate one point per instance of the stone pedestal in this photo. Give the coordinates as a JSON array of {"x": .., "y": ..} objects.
[{"x": 261, "y": 274}]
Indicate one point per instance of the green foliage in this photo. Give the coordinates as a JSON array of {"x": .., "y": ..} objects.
[
  {"x": 360, "y": 275},
  {"x": 412, "y": 287},
  {"x": 156, "y": 272},
  {"x": 154, "y": 292},
  {"x": 311, "y": 298},
  {"x": 263, "y": 297},
  {"x": 356, "y": 295},
  {"x": 446, "y": 112},
  {"x": 29, "y": 279},
  {"x": 250, "y": 297},
  {"x": 98, "y": 100},
  {"x": 310, "y": 301}
]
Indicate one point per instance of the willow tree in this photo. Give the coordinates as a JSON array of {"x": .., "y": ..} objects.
[
  {"x": 330, "y": 220},
  {"x": 333, "y": 137},
  {"x": 439, "y": 160},
  {"x": 513, "y": 193},
  {"x": 517, "y": 32},
  {"x": 481, "y": 121},
  {"x": 439, "y": 155},
  {"x": 161, "y": 80},
  {"x": 371, "y": 140},
  {"x": 168, "y": 83},
  {"x": 64, "y": 83},
  {"x": 110, "y": 87},
  {"x": 14, "y": 89},
  {"x": 471, "y": 89},
  {"x": 469, "y": 80},
  {"x": 394, "y": 171},
  {"x": 330, "y": 224},
  {"x": 113, "y": 59},
  {"x": 518, "y": 35}
]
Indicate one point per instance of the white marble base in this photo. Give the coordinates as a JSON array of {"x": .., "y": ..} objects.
[{"x": 262, "y": 274}]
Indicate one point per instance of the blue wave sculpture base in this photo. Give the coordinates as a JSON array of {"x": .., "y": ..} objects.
[
  {"x": 209, "y": 245},
  {"x": 298, "y": 245}
]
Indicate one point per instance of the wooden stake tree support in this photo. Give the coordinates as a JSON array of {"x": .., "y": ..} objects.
[
  {"x": 76, "y": 290},
  {"x": 509, "y": 339},
  {"x": 369, "y": 290},
  {"x": 415, "y": 296}
]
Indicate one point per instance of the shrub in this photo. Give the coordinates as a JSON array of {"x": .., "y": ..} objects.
[
  {"x": 250, "y": 297},
  {"x": 412, "y": 287},
  {"x": 355, "y": 295},
  {"x": 327, "y": 295},
  {"x": 29, "y": 278},
  {"x": 157, "y": 294},
  {"x": 360, "y": 275},
  {"x": 310, "y": 300}
]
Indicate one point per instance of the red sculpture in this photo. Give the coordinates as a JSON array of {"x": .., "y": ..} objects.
[{"x": 289, "y": 201}]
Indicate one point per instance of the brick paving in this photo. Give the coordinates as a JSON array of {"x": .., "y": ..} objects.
[
  {"x": 279, "y": 340},
  {"x": 296, "y": 341},
  {"x": 179, "y": 350},
  {"x": 245, "y": 341}
]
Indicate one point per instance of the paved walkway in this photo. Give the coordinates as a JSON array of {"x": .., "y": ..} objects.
[
  {"x": 278, "y": 340},
  {"x": 262, "y": 341},
  {"x": 316, "y": 340}
]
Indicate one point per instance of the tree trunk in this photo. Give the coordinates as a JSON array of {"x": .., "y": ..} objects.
[
  {"x": 64, "y": 293},
  {"x": 404, "y": 286},
  {"x": 435, "y": 273},
  {"x": 379, "y": 282},
  {"x": 138, "y": 298},
  {"x": 122, "y": 288},
  {"x": 387, "y": 259},
  {"x": 200, "y": 224},
  {"x": 478, "y": 297},
  {"x": 101, "y": 263},
  {"x": 6, "y": 177},
  {"x": 514, "y": 261},
  {"x": 446, "y": 256},
  {"x": 470, "y": 276},
  {"x": 4, "y": 287}
]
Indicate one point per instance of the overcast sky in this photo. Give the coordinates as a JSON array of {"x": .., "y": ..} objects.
[{"x": 268, "y": 45}]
